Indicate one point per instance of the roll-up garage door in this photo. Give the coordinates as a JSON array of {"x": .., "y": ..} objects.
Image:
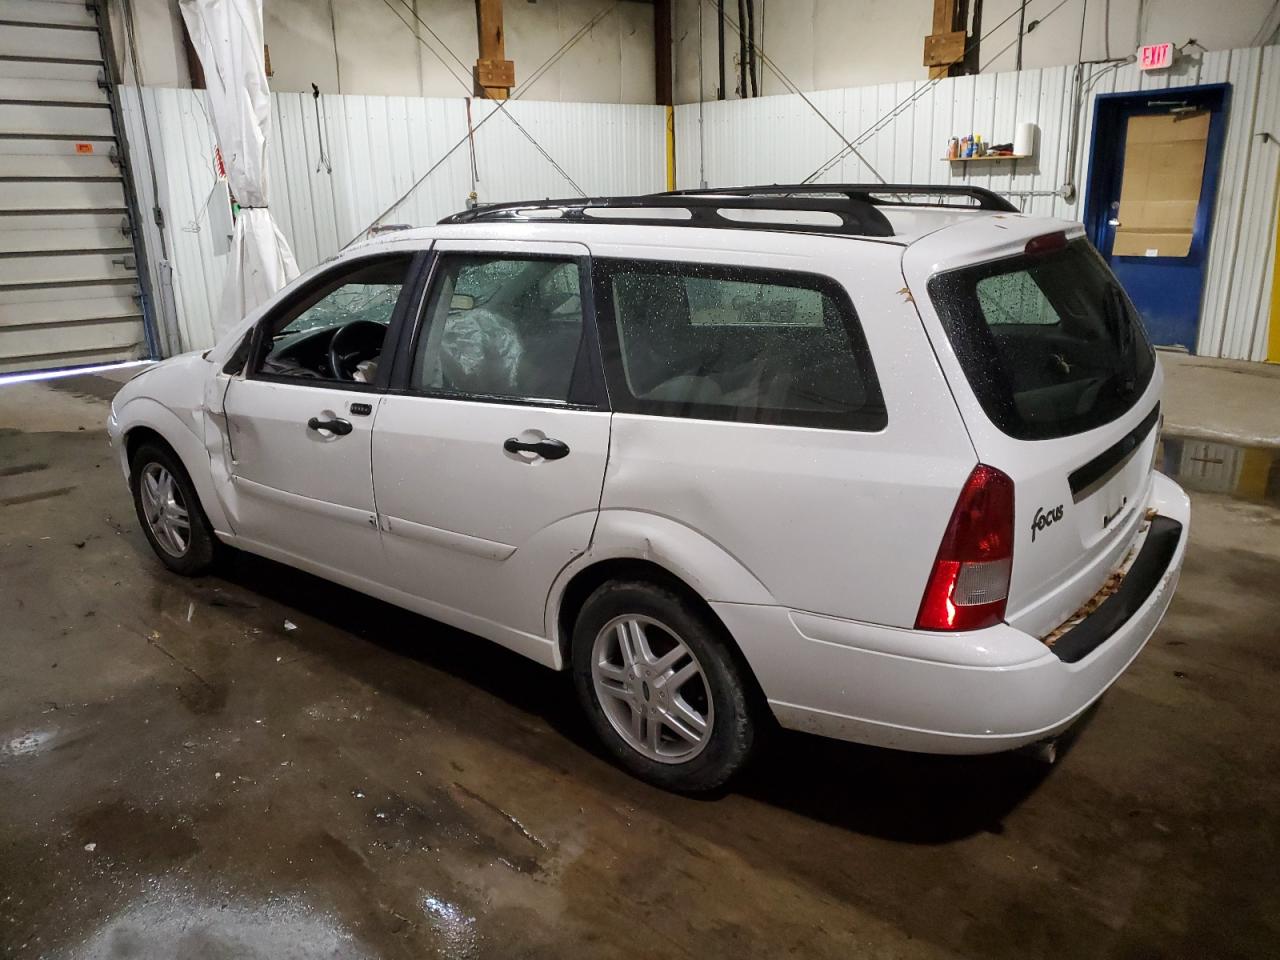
[{"x": 69, "y": 290}]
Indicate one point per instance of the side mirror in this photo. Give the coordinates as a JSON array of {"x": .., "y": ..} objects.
[{"x": 462, "y": 301}]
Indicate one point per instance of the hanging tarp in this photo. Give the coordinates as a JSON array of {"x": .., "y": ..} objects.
[{"x": 227, "y": 35}]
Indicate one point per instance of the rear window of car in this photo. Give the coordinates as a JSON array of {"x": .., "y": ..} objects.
[
  {"x": 1049, "y": 342},
  {"x": 730, "y": 343}
]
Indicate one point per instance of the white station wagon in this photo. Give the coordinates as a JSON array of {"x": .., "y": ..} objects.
[{"x": 875, "y": 461}]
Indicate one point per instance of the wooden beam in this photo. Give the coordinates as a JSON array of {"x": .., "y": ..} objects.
[
  {"x": 944, "y": 49},
  {"x": 941, "y": 54},
  {"x": 662, "y": 52},
  {"x": 495, "y": 75}
]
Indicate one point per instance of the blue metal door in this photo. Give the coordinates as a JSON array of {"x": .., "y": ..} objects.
[{"x": 1166, "y": 289}]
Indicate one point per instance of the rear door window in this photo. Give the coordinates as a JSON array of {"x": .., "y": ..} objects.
[
  {"x": 1049, "y": 342},
  {"x": 732, "y": 343},
  {"x": 502, "y": 326}
]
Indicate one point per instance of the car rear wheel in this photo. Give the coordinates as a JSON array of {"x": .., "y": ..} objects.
[
  {"x": 661, "y": 687},
  {"x": 169, "y": 511}
]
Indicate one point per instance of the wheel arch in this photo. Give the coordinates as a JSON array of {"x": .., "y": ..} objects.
[
  {"x": 143, "y": 419},
  {"x": 649, "y": 546},
  {"x": 586, "y": 580}
]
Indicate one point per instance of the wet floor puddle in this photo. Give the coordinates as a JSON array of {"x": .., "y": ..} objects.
[{"x": 1206, "y": 466}]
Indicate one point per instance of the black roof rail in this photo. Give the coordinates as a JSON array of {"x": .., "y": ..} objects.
[
  {"x": 857, "y": 216},
  {"x": 878, "y": 194}
]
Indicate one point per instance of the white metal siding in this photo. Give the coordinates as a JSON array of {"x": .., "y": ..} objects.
[
  {"x": 378, "y": 147},
  {"x": 781, "y": 140},
  {"x": 67, "y": 282}
]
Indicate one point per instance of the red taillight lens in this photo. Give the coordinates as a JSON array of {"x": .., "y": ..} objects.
[{"x": 969, "y": 585}]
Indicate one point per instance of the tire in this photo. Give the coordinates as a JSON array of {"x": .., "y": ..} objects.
[
  {"x": 654, "y": 621},
  {"x": 169, "y": 496}
]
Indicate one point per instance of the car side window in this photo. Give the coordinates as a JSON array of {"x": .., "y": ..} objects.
[
  {"x": 730, "y": 343},
  {"x": 501, "y": 326},
  {"x": 336, "y": 330}
]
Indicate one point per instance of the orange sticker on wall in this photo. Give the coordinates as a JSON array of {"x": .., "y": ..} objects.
[{"x": 84, "y": 148}]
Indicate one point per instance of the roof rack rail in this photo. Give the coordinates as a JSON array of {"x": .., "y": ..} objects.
[
  {"x": 855, "y": 215},
  {"x": 878, "y": 194}
]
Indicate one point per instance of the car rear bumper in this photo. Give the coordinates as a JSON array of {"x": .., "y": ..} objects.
[{"x": 982, "y": 691}]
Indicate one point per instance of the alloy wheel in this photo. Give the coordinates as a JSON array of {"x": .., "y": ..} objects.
[
  {"x": 652, "y": 689},
  {"x": 165, "y": 510}
]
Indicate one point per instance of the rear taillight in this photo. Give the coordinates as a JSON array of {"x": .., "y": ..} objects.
[{"x": 969, "y": 585}]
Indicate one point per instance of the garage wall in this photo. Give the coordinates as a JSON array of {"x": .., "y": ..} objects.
[
  {"x": 901, "y": 129},
  {"x": 362, "y": 47},
  {"x": 825, "y": 44},
  {"x": 377, "y": 147}
]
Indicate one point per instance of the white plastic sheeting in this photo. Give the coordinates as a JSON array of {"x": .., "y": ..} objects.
[
  {"x": 227, "y": 35},
  {"x": 781, "y": 140},
  {"x": 378, "y": 147}
]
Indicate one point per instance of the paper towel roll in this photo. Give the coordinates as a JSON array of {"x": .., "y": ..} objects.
[{"x": 1024, "y": 140}]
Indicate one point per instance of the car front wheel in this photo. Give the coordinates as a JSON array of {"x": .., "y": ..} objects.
[
  {"x": 170, "y": 512},
  {"x": 661, "y": 687}
]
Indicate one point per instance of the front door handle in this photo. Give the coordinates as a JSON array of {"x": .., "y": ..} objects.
[
  {"x": 548, "y": 449},
  {"x": 337, "y": 427}
]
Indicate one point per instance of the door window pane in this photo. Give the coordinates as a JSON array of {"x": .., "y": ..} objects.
[
  {"x": 730, "y": 343},
  {"x": 500, "y": 326},
  {"x": 1160, "y": 184},
  {"x": 337, "y": 331}
]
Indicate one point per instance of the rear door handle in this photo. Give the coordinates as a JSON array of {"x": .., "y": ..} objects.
[
  {"x": 338, "y": 427},
  {"x": 548, "y": 449}
]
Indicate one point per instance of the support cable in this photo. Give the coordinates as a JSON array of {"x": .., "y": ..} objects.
[
  {"x": 518, "y": 92},
  {"x": 792, "y": 87},
  {"x": 915, "y": 95},
  {"x": 501, "y": 107}
]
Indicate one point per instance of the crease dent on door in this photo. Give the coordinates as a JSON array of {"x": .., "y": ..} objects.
[{"x": 478, "y": 546}]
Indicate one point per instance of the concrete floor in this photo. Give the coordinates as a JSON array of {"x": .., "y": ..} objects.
[{"x": 183, "y": 775}]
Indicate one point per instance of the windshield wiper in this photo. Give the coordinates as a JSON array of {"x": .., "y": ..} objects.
[{"x": 1120, "y": 326}]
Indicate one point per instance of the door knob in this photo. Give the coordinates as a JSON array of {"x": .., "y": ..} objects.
[
  {"x": 548, "y": 449},
  {"x": 337, "y": 427}
]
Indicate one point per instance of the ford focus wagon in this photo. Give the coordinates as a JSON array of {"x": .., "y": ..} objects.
[{"x": 875, "y": 462}]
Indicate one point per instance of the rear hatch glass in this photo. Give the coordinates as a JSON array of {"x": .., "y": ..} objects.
[{"x": 1049, "y": 342}]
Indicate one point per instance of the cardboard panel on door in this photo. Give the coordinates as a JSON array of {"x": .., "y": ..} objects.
[{"x": 1160, "y": 191}]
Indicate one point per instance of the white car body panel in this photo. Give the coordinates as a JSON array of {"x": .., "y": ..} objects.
[
  {"x": 471, "y": 526},
  {"x": 307, "y": 492},
  {"x": 980, "y": 691},
  {"x": 811, "y": 545}
]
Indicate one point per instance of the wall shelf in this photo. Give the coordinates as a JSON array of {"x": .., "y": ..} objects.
[{"x": 1003, "y": 156}]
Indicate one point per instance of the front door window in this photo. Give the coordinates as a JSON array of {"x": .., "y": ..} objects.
[{"x": 337, "y": 331}]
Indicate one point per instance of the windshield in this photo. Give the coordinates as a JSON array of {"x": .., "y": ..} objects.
[{"x": 1049, "y": 342}]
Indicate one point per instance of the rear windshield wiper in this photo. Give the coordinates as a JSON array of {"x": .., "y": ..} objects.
[{"x": 1120, "y": 326}]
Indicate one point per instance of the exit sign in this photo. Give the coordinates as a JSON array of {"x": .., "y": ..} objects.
[{"x": 1155, "y": 56}]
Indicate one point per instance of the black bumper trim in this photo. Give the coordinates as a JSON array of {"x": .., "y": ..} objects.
[{"x": 1148, "y": 568}]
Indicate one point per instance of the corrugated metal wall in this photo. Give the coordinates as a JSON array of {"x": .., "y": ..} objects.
[
  {"x": 377, "y": 148},
  {"x": 903, "y": 128}
]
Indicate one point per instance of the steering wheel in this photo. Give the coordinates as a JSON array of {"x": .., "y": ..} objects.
[{"x": 341, "y": 354}]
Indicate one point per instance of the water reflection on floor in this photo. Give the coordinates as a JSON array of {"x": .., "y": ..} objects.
[{"x": 1248, "y": 473}]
